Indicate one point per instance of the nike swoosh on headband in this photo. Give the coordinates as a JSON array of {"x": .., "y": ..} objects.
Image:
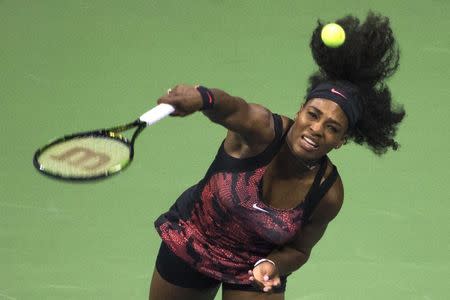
[{"x": 339, "y": 93}]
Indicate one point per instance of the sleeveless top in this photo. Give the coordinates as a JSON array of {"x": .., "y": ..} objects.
[{"x": 221, "y": 226}]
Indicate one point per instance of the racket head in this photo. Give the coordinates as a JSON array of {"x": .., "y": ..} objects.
[{"x": 85, "y": 156}]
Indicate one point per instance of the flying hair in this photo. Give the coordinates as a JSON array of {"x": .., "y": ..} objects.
[{"x": 368, "y": 57}]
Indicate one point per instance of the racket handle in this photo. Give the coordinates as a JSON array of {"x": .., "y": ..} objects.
[{"x": 157, "y": 113}]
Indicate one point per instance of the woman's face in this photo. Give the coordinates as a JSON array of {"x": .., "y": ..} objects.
[{"x": 320, "y": 126}]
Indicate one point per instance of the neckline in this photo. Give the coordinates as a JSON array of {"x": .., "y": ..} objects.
[{"x": 260, "y": 187}]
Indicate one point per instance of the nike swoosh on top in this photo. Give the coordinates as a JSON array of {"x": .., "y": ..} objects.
[{"x": 259, "y": 208}]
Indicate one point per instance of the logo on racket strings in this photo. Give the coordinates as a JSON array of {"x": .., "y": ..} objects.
[{"x": 83, "y": 158}]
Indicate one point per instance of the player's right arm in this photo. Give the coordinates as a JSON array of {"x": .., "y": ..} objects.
[{"x": 250, "y": 126}]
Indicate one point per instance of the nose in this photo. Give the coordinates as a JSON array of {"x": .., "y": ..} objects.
[{"x": 316, "y": 128}]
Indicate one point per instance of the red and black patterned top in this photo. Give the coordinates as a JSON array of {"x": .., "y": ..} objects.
[{"x": 221, "y": 227}]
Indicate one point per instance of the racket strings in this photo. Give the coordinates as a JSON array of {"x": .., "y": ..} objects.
[{"x": 85, "y": 156}]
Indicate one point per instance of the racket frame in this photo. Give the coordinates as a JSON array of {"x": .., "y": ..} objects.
[
  {"x": 109, "y": 133},
  {"x": 152, "y": 116}
]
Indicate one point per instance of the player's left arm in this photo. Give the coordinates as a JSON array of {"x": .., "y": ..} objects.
[{"x": 295, "y": 254}]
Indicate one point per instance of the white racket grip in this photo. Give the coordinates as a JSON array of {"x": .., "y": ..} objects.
[{"x": 157, "y": 113}]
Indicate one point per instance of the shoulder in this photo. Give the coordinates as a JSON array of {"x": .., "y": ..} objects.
[
  {"x": 258, "y": 123},
  {"x": 287, "y": 122},
  {"x": 331, "y": 203},
  {"x": 259, "y": 133}
]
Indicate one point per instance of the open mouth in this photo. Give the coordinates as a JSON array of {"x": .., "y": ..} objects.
[{"x": 309, "y": 143}]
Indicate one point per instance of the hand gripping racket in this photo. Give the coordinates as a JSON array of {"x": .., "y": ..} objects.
[{"x": 94, "y": 154}]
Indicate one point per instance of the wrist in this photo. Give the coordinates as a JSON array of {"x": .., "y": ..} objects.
[
  {"x": 264, "y": 260},
  {"x": 207, "y": 97}
]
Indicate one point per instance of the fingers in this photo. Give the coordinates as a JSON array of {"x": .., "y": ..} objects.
[
  {"x": 269, "y": 285},
  {"x": 168, "y": 100},
  {"x": 173, "y": 90},
  {"x": 277, "y": 281},
  {"x": 170, "y": 97},
  {"x": 185, "y": 99},
  {"x": 251, "y": 278},
  {"x": 177, "y": 89},
  {"x": 264, "y": 282}
]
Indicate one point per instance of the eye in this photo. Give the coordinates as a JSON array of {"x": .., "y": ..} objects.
[
  {"x": 312, "y": 114},
  {"x": 332, "y": 129}
]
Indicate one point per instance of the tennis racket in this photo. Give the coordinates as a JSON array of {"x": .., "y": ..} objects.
[{"x": 94, "y": 154}]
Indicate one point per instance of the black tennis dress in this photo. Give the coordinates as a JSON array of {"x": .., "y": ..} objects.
[{"x": 221, "y": 226}]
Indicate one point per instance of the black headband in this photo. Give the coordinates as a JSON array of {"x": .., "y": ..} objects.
[{"x": 344, "y": 94}]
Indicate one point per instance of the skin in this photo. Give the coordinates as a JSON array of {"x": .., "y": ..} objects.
[{"x": 319, "y": 127}]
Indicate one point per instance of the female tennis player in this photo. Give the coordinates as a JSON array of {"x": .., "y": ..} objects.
[{"x": 271, "y": 191}]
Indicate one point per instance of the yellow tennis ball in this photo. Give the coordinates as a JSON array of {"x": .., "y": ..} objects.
[{"x": 333, "y": 35}]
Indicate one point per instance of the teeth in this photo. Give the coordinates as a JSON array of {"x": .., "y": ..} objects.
[{"x": 309, "y": 141}]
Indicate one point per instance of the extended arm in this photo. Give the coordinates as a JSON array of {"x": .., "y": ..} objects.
[{"x": 249, "y": 125}]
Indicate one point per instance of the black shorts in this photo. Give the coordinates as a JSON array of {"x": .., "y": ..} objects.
[{"x": 176, "y": 271}]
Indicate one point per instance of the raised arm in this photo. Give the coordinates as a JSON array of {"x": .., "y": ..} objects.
[{"x": 249, "y": 125}]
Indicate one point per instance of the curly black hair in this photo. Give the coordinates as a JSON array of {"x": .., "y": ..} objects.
[{"x": 367, "y": 58}]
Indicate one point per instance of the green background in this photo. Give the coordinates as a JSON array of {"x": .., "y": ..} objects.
[{"x": 67, "y": 66}]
